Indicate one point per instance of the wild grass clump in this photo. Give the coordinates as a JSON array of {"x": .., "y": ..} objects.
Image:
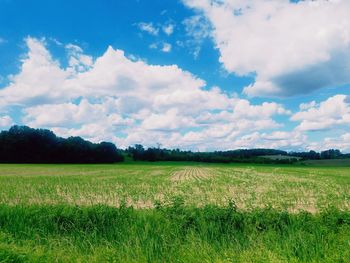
[{"x": 171, "y": 233}]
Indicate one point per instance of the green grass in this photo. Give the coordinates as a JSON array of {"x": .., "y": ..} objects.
[
  {"x": 171, "y": 234},
  {"x": 174, "y": 212},
  {"x": 330, "y": 163}
]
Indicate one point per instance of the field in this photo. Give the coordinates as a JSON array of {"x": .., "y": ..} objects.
[
  {"x": 331, "y": 162},
  {"x": 174, "y": 212},
  {"x": 289, "y": 188}
]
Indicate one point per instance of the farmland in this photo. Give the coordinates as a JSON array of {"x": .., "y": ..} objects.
[
  {"x": 290, "y": 188},
  {"x": 166, "y": 212}
]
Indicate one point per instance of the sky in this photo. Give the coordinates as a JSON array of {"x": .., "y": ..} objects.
[{"x": 199, "y": 75}]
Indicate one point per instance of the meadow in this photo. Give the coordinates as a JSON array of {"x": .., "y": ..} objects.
[{"x": 174, "y": 212}]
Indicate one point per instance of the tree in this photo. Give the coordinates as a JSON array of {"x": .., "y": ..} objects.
[{"x": 21, "y": 144}]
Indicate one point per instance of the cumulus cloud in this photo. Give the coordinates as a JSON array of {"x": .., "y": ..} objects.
[
  {"x": 78, "y": 61},
  {"x": 329, "y": 114},
  {"x": 291, "y": 47},
  {"x": 40, "y": 79},
  {"x": 167, "y": 121},
  {"x": 70, "y": 114},
  {"x": 127, "y": 101},
  {"x": 275, "y": 140},
  {"x": 341, "y": 142},
  {"x": 230, "y": 136},
  {"x": 307, "y": 105}
]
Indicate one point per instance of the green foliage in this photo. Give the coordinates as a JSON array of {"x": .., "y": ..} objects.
[
  {"x": 172, "y": 233},
  {"x": 22, "y": 144}
]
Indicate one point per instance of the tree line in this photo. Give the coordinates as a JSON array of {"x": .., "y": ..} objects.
[
  {"x": 139, "y": 153},
  {"x": 22, "y": 144}
]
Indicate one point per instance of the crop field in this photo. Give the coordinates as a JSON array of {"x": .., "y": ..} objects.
[
  {"x": 174, "y": 212},
  {"x": 291, "y": 188}
]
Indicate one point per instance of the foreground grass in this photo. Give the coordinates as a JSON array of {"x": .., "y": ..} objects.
[
  {"x": 83, "y": 213},
  {"x": 291, "y": 188},
  {"x": 171, "y": 234}
]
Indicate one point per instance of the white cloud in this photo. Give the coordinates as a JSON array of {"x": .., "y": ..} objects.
[
  {"x": 77, "y": 59},
  {"x": 66, "y": 114},
  {"x": 341, "y": 142},
  {"x": 275, "y": 140},
  {"x": 212, "y": 130},
  {"x": 198, "y": 28},
  {"x": 5, "y": 121},
  {"x": 113, "y": 74},
  {"x": 307, "y": 105},
  {"x": 170, "y": 120},
  {"x": 149, "y": 28},
  {"x": 329, "y": 114},
  {"x": 293, "y": 48},
  {"x": 231, "y": 136},
  {"x": 166, "y": 47},
  {"x": 40, "y": 79},
  {"x": 162, "y": 46},
  {"x": 95, "y": 132},
  {"x": 168, "y": 29},
  {"x": 128, "y": 101}
]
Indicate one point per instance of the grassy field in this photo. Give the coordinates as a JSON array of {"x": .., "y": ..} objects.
[
  {"x": 331, "y": 162},
  {"x": 291, "y": 188},
  {"x": 174, "y": 212}
]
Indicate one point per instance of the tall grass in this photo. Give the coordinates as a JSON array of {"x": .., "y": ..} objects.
[{"x": 174, "y": 233}]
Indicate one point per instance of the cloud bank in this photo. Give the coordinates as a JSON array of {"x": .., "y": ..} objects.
[
  {"x": 291, "y": 48},
  {"x": 111, "y": 97}
]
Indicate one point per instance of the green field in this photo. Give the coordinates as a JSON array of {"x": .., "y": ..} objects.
[
  {"x": 330, "y": 162},
  {"x": 174, "y": 212}
]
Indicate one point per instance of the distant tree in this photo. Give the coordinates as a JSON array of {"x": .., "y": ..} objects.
[
  {"x": 137, "y": 152},
  {"x": 311, "y": 155},
  {"x": 21, "y": 144},
  {"x": 331, "y": 154}
]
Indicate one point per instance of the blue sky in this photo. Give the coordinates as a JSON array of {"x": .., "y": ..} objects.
[{"x": 193, "y": 74}]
